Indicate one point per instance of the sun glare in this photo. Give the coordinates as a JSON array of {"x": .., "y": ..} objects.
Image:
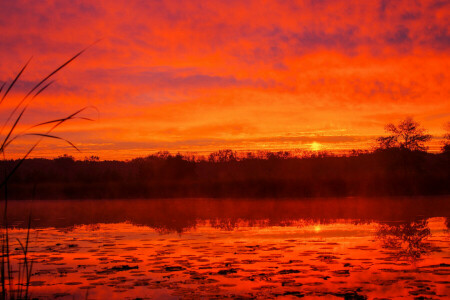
[{"x": 315, "y": 146}]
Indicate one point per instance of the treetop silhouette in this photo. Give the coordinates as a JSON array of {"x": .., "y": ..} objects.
[
  {"x": 446, "y": 143},
  {"x": 408, "y": 134}
]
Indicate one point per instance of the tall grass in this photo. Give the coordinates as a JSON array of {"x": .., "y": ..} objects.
[{"x": 15, "y": 283}]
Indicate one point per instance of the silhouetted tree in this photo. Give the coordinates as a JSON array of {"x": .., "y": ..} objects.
[
  {"x": 92, "y": 158},
  {"x": 408, "y": 134},
  {"x": 225, "y": 155},
  {"x": 226, "y": 174},
  {"x": 446, "y": 146}
]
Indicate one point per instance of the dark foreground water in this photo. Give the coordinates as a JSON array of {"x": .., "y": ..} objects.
[{"x": 210, "y": 248}]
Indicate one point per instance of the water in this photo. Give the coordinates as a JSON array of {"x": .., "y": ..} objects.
[{"x": 210, "y": 248}]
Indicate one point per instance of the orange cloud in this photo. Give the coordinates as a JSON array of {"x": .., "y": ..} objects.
[{"x": 204, "y": 75}]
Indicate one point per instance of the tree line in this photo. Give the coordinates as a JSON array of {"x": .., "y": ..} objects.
[{"x": 399, "y": 165}]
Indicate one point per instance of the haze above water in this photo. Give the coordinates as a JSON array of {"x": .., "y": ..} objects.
[{"x": 219, "y": 248}]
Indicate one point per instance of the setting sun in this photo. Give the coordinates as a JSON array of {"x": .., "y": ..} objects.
[{"x": 315, "y": 146}]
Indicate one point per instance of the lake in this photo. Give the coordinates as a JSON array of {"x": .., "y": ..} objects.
[{"x": 352, "y": 248}]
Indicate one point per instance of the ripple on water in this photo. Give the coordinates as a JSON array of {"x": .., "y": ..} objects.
[{"x": 136, "y": 261}]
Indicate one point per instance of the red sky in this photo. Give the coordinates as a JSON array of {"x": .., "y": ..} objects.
[{"x": 206, "y": 75}]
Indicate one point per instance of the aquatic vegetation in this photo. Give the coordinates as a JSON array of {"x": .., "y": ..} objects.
[{"x": 344, "y": 259}]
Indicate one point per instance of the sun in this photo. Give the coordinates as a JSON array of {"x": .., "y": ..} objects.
[{"x": 315, "y": 146}]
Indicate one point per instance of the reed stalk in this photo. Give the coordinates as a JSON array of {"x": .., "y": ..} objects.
[{"x": 11, "y": 287}]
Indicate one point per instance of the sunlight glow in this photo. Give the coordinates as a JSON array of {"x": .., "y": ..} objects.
[
  {"x": 215, "y": 82},
  {"x": 315, "y": 146}
]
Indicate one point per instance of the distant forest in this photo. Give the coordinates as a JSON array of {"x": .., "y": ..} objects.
[
  {"x": 383, "y": 172},
  {"x": 399, "y": 166}
]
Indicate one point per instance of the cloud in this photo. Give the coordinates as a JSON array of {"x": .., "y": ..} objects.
[
  {"x": 174, "y": 78},
  {"x": 200, "y": 70}
]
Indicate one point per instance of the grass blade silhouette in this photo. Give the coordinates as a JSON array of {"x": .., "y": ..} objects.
[
  {"x": 19, "y": 117},
  {"x": 41, "y": 82},
  {"x": 55, "y": 137},
  {"x": 25, "y": 268},
  {"x": 1, "y": 87},
  {"x": 13, "y": 82},
  {"x": 61, "y": 121}
]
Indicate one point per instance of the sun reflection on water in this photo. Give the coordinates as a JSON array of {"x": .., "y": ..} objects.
[{"x": 309, "y": 259}]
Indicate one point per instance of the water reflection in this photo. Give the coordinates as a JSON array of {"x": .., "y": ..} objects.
[
  {"x": 407, "y": 241},
  {"x": 179, "y": 215},
  {"x": 202, "y": 248},
  {"x": 304, "y": 259}
]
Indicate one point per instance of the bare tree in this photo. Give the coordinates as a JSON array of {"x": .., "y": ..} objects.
[
  {"x": 446, "y": 146},
  {"x": 408, "y": 134}
]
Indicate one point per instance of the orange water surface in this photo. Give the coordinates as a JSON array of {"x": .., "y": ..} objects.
[{"x": 239, "y": 257}]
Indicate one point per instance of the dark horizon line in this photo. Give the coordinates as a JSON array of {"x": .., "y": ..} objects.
[{"x": 240, "y": 154}]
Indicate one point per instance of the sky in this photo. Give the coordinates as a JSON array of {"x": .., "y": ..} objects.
[{"x": 199, "y": 76}]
